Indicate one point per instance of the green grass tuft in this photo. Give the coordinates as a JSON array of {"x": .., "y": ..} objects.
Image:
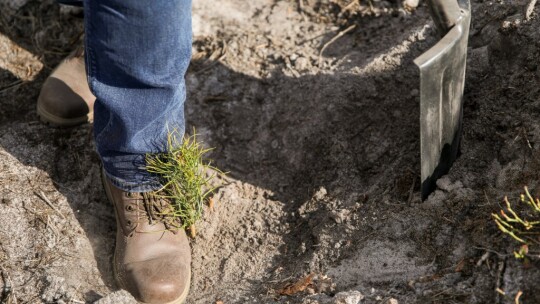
[{"x": 183, "y": 174}]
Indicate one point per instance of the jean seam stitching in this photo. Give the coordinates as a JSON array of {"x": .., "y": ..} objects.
[{"x": 91, "y": 64}]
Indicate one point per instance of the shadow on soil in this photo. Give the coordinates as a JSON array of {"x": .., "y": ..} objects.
[{"x": 65, "y": 155}]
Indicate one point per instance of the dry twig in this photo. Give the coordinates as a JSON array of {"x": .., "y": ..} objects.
[
  {"x": 339, "y": 35},
  {"x": 500, "y": 273},
  {"x": 11, "y": 85},
  {"x": 530, "y": 9},
  {"x": 46, "y": 200},
  {"x": 518, "y": 295}
]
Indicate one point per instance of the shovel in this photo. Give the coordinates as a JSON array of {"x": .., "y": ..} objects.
[{"x": 442, "y": 78}]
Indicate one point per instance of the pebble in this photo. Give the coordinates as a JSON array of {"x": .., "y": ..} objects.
[
  {"x": 302, "y": 63},
  {"x": 55, "y": 289},
  {"x": 320, "y": 194},
  {"x": 348, "y": 297},
  {"x": 411, "y": 3},
  {"x": 120, "y": 296},
  {"x": 445, "y": 184}
]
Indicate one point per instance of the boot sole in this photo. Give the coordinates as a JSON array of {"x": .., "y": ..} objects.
[
  {"x": 182, "y": 298},
  {"x": 57, "y": 121}
]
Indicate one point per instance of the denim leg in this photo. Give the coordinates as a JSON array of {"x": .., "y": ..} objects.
[{"x": 137, "y": 53}]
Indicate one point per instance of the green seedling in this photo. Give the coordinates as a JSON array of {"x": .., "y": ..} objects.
[
  {"x": 517, "y": 225},
  {"x": 522, "y": 252},
  {"x": 185, "y": 177}
]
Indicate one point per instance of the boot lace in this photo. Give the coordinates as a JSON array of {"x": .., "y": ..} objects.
[{"x": 154, "y": 208}]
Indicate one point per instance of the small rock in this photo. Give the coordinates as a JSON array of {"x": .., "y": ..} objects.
[
  {"x": 392, "y": 301},
  {"x": 302, "y": 64},
  {"x": 340, "y": 216},
  {"x": 411, "y": 3},
  {"x": 444, "y": 183},
  {"x": 120, "y": 296},
  {"x": 55, "y": 289},
  {"x": 348, "y": 297},
  {"x": 303, "y": 247},
  {"x": 320, "y": 194}
]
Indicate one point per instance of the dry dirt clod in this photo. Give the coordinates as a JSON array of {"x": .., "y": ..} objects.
[
  {"x": 348, "y": 297},
  {"x": 120, "y": 296},
  {"x": 296, "y": 287}
]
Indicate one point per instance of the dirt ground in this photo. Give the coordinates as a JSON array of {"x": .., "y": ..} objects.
[{"x": 322, "y": 150}]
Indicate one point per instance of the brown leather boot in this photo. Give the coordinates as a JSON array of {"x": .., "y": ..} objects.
[
  {"x": 65, "y": 99},
  {"x": 152, "y": 258}
]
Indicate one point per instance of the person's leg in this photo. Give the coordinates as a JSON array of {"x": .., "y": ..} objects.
[{"x": 137, "y": 52}]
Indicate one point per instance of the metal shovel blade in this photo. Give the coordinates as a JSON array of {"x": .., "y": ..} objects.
[{"x": 442, "y": 79}]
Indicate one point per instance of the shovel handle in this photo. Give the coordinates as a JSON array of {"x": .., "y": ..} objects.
[{"x": 445, "y": 13}]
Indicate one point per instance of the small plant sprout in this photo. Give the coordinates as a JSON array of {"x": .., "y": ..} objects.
[
  {"x": 517, "y": 225},
  {"x": 184, "y": 176},
  {"x": 522, "y": 252}
]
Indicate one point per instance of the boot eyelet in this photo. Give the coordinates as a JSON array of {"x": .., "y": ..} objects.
[
  {"x": 128, "y": 223},
  {"x": 129, "y": 208}
]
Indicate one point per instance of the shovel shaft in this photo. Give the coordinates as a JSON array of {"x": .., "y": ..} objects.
[{"x": 445, "y": 13}]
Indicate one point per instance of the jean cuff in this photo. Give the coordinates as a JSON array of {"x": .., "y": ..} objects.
[
  {"x": 133, "y": 187},
  {"x": 128, "y": 173}
]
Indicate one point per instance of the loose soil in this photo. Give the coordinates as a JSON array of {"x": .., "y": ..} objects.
[{"x": 322, "y": 151}]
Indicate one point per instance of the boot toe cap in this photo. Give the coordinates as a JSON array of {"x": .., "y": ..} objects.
[
  {"x": 159, "y": 281},
  {"x": 58, "y": 103}
]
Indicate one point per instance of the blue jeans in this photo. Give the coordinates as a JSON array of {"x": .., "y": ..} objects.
[{"x": 137, "y": 53}]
